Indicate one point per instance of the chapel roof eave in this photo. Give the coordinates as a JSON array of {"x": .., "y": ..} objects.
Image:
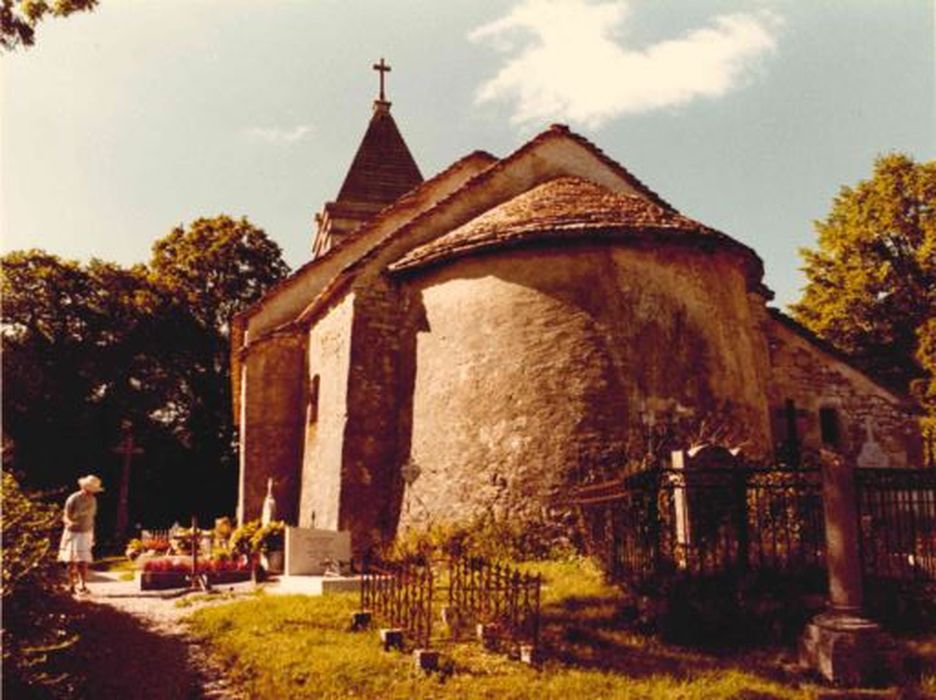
[
  {"x": 569, "y": 236},
  {"x": 567, "y": 209}
]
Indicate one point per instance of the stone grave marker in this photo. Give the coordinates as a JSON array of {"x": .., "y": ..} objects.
[
  {"x": 686, "y": 492},
  {"x": 309, "y": 551}
]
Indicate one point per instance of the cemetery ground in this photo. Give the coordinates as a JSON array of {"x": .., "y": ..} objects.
[{"x": 260, "y": 645}]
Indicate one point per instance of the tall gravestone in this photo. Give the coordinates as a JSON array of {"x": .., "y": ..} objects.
[
  {"x": 703, "y": 494},
  {"x": 840, "y": 643}
]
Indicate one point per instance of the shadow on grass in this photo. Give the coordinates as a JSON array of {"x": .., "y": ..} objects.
[
  {"x": 116, "y": 656},
  {"x": 604, "y": 633}
]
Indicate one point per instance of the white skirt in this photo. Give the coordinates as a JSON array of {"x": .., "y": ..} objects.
[{"x": 76, "y": 546}]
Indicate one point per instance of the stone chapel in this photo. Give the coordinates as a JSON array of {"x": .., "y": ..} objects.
[{"x": 475, "y": 341}]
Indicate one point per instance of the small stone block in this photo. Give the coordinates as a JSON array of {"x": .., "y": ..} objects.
[
  {"x": 426, "y": 660},
  {"x": 360, "y": 620},
  {"x": 529, "y": 654},
  {"x": 391, "y": 638}
]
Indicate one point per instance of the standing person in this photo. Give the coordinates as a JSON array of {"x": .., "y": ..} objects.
[{"x": 78, "y": 535}]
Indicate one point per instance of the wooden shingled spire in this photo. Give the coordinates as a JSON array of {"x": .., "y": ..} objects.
[{"x": 382, "y": 171}]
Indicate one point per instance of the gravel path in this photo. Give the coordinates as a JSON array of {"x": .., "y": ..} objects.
[{"x": 134, "y": 644}]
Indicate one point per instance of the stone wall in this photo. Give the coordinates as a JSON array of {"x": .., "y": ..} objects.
[
  {"x": 379, "y": 412},
  {"x": 534, "y": 366},
  {"x": 325, "y": 416},
  {"x": 815, "y": 379},
  {"x": 271, "y": 425}
]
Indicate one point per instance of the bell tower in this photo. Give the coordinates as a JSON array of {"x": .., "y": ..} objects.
[{"x": 383, "y": 169}]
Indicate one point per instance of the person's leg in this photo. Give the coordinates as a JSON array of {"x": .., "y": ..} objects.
[
  {"x": 72, "y": 575},
  {"x": 83, "y": 576}
]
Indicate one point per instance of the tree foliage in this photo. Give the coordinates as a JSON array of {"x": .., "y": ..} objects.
[
  {"x": 871, "y": 280},
  {"x": 216, "y": 267},
  {"x": 33, "y": 628},
  {"x": 88, "y": 347},
  {"x": 18, "y": 18}
]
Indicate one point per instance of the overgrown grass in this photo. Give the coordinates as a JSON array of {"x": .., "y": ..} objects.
[{"x": 299, "y": 647}]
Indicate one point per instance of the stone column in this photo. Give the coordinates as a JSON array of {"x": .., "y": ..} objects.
[
  {"x": 843, "y": 646},
  {"x": 843, "y": 558}
]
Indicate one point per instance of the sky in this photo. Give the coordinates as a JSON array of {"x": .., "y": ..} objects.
[{"x": 749, "y": 116}]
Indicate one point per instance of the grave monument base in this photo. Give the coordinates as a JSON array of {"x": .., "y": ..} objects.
[
  {"x": 316, "y": 585},
  {"x": 849, "y": 650}
]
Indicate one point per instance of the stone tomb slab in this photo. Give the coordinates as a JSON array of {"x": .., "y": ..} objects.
[{"x": 309, "y": 551}]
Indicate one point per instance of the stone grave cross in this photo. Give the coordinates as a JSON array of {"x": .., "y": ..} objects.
[{"x": 127, "y": 447}]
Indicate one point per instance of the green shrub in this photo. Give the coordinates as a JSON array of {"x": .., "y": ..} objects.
[
  {"x": 242, "y": 538},
  {"x": 34, "y": 629},
  {"x": 269, "y": 537},
  {"x": 486, "y": 536},
  {"x": 134, "y": 549}
]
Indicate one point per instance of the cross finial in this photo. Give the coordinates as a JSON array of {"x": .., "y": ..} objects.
[{"x": 382, "y": 68}]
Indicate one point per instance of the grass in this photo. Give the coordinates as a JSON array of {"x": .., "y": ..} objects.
[
  {"x": 117, "y": 564},
  {"x": 299, "y": 647},
  {"x": 194, "y": 599}
]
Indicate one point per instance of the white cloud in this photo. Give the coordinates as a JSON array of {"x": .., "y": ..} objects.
[
  {"x": 278, "y": 134},
  {"x": 570, "y": 63}
]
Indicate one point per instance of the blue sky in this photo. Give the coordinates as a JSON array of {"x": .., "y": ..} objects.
[{"x": 748, "y": 116}]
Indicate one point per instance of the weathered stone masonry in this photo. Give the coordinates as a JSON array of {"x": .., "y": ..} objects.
[{"x": 507, "y": 326}]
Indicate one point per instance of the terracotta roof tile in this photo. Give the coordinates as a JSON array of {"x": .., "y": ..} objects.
[
  {"x": 555, "y": 131},
  {"x": 560, "y": 207}
]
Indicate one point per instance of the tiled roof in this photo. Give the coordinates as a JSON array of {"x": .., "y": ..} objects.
[
  {"x": 411, "y": 198},
  {"x": 755, "y": 268},
  {"x": 383, "y": 168},
  {"x": 560, "y": 208}
]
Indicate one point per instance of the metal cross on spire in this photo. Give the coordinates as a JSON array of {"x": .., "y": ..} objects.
[{"x": 382, "y": 68}]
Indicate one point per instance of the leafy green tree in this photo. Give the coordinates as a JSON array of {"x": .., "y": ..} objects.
[
  {"x": 18, "y": 18},
  {"x": 87, "y": 347},
  {"x": 871, "y": 281},
  {"x": 217, "y": 267},
  {"x": 49, "y": 371},
  {"x": 213, "y": 269}
]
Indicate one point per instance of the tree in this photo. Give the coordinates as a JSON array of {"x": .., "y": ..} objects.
[
  {"x": 217, "y": 267},
  {"x": 213, "y": 269},
  {"x": 871, "y": 281},
  {"x": 18, "y": 19},
  {"x": 87, "y": 347}
]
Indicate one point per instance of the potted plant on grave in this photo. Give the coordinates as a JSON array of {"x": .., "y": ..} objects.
[
  {"x": 268, "y": 541},
  {"x": 241, "y": 540}
]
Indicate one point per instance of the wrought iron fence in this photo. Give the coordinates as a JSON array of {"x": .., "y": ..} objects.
[
  {"x": 685, "y": 523},
  {"x": 406, "y": 595},
  {"x": 897, "y": 523},
  {"x": 401, "y": 593},
  {"x": 496, "y": 595},
  {"x": 706, "y": 522}
]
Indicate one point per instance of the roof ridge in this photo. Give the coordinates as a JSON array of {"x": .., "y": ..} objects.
[
  {"x": 391, "y": 208},
  {"x": 554, "y": 131}
]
